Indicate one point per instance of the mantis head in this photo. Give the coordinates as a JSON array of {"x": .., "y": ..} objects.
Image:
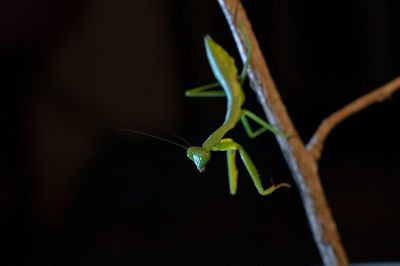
[{"x": 199, "y": 156}]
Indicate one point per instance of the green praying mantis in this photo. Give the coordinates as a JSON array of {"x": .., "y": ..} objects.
[{"x": 226, "y": 73}]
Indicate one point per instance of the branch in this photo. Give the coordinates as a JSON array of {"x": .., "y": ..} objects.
[
  {"x": 302, "y": 166},
  {"x": 315, "y": 146}
]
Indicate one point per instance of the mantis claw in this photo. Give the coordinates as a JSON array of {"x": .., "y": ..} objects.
[
  {"x": 279, "y": 185},
  {"x": 282, "y": 185}
]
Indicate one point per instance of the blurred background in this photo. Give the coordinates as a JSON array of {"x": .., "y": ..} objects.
[{"x": 76, "y": 191}]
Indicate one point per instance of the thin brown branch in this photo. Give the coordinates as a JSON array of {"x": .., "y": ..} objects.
[
  {"x": 302, "y": 166},
  {"x": 315, "y": 146}
]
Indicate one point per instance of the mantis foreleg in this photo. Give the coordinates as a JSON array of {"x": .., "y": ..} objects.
[
  {"x": 230, "y": 146},
  {"x": 232, "y": 171}
]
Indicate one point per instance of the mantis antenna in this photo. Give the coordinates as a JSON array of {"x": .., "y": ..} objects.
[
  {"x": 153, "y": 136},
  {"x": 184, "y": 140}
]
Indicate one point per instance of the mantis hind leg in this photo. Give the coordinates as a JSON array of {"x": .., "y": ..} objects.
[
  {"x": 264, "y": 125},
  {"x": 204, "y": 91},
  {"x": 243, "y": 74},
  {"x": 230, "y": 147}
]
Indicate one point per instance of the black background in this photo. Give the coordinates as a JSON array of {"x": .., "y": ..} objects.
[{"x": 76, "y": 191}]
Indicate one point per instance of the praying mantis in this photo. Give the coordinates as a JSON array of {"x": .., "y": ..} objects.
[{"x": 226, "y": 73}]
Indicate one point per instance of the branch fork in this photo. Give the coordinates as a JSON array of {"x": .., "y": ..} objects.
[{"x": 315, "y": 145}]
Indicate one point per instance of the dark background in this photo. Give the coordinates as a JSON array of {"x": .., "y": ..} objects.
[{"x": 75, "y": 191}]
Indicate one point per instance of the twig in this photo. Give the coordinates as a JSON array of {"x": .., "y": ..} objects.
[
  {"x": 302, "y": 166},
  {"x": 315, "y": 146}
]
